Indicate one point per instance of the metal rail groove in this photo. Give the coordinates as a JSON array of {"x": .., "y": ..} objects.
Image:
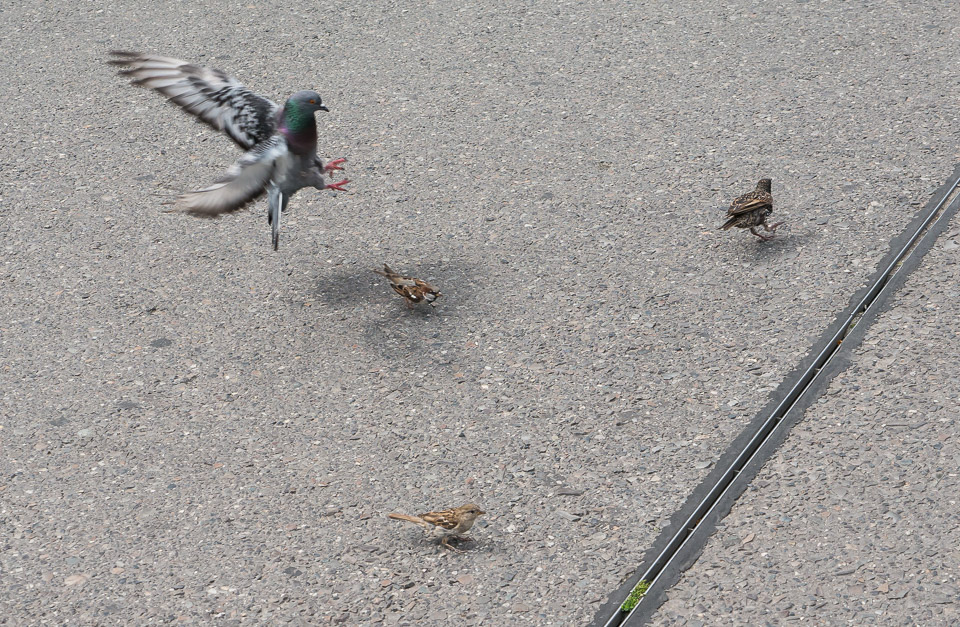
[{"x": 688, "y": 540}]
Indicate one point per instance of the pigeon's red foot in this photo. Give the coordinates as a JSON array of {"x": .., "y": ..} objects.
[
  {"x": 338, "y": 185},
  {"x": 334, "y": 165}
]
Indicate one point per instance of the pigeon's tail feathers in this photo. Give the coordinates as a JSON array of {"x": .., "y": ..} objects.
[
  {"x": 244, "y": 182},
  {"x": 217, "y": 99},
  {"x": 410, "y": 519},
  {"x": 273, "y": 217}
]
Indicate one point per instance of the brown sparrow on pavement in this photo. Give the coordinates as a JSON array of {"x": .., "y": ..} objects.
[
  {"x": 413, "y": 290},
  {"x": 751, "y": 210},
  {"x": 447, "y": 524}
]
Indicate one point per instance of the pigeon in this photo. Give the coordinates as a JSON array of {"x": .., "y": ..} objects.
[
  {"x": 751, "y": 210},
  {"x": 413, "y": 290},
  {"x": 280, "y": 142},
  {"x": 447, "y": 524}
]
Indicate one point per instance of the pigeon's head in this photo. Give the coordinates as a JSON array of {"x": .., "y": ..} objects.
[
  {"x": 764, "y": 185},
  {"x": 308, "y": 101}
]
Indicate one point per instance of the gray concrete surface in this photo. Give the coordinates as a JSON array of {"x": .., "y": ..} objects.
[
  {"x": 855, "y": 519},
  {"x": 196, "y": 428}
]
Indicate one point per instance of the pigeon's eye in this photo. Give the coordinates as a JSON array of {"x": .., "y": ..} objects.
[{"x": 312, "y": 101}]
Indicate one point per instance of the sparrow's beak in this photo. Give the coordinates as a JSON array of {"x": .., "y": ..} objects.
[
  {"x": 323, "y": 108},
  {"x": 481, "y": 512}
]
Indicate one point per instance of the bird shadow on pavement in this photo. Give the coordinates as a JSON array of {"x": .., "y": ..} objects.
[
  {"x": 785, "y": 242},
  {"x": 343, "y": 286},
  {"x": 392, "y": 329},
  {"x": 422, "y": 543}
]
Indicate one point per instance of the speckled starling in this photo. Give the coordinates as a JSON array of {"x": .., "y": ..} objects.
[{"x": 751, "y": 210}]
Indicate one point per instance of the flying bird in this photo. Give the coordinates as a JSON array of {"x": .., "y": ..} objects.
[
  {"x": 413, "y": 290},
  {"x": 751, "y": 210},
  {"x": 446, "y": 524},
  {"x": 280, "y": 142}
]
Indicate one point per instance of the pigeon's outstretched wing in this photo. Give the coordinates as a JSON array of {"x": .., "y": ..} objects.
[
  {"x": 211, "y": 95},
  {"x": 243, "y": 183}
]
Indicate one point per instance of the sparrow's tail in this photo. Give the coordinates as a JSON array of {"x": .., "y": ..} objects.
[
  {"x": 387, "y": 272},
  {"x": 410, "y": 519},
  {"x": 729, "y": 223}
]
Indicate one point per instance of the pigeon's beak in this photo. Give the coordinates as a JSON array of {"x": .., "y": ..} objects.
[{"x": 323, "y": 108}]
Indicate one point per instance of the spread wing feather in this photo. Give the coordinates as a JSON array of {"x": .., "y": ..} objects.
[
  {"x": 243, "y": 183},
  {"x": 211, "y": 95}
]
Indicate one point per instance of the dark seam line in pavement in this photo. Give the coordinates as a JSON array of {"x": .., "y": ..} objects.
[{"x": 679, "y": 546}]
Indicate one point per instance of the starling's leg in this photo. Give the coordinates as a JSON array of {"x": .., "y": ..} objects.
[
  {"x": 338, "y": 185},
  {"x": 333, "y": 165},
  {"x": 765, "y": 238},
  {"x": 772, "y": 227}
]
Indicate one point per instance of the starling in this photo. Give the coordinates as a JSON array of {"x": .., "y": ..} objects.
[
  {"x": 751, "y": 210},
  {"x": 413, "y": 290}
]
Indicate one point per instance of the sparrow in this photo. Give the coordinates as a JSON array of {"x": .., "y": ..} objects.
[
  {"x": 447, "y": 524},
  {"x": 751, "y": 210},
  {"x": 413, "y": 290}
]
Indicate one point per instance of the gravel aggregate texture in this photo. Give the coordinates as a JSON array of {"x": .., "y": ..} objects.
[
  {"x": 198, "y": 429},
  {"x": 855, "y": 519}
]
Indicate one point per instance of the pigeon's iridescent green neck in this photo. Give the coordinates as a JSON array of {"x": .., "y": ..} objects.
[
  {"x": 295, "y": 119},
  {"x": 299, "y": 128}
]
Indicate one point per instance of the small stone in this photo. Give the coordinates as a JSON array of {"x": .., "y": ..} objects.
[
  {"x": 76, "y": 580},
  {"x": 521, "y": 607},
  {"x": 569, "y": 492},
  {"x": 85, "y": 433},
  {"x": 567, "y": 516},
  {"x": 466, "y": 580}
]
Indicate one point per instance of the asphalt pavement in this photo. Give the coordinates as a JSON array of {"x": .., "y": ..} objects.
[
  {"x": 854, "y": 520},
  {"x": 198, "y": 429}
]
